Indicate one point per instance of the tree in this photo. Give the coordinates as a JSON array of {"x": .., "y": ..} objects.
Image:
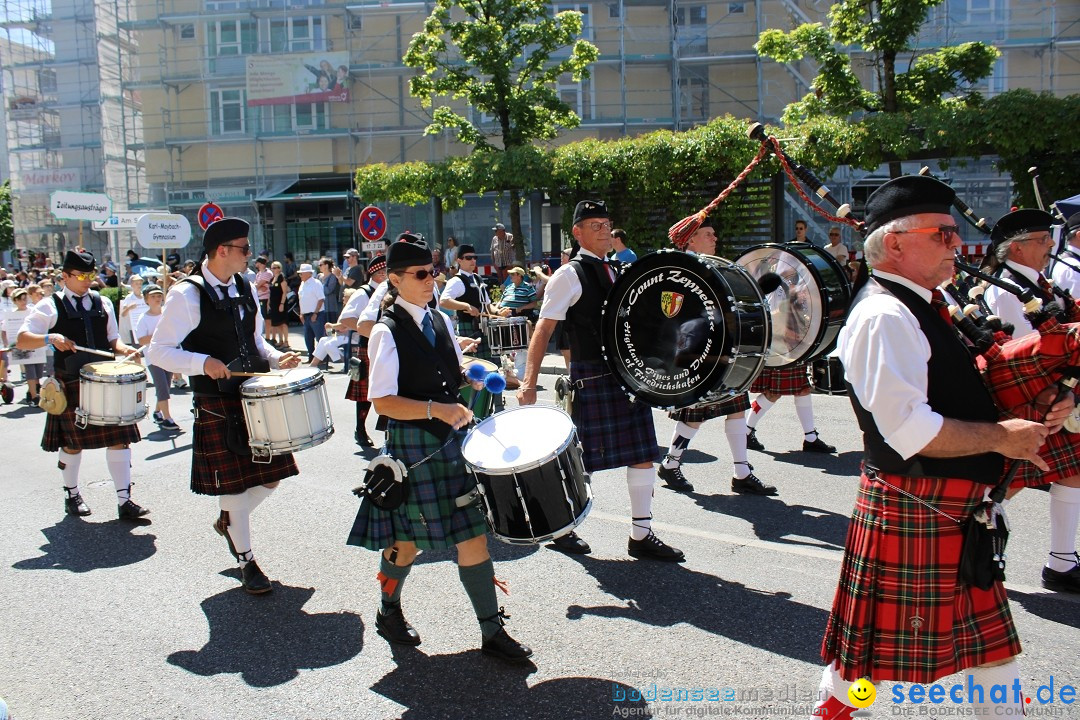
[
  {"x": 7, "y": 230},
  {"x": 887, "y": 30},
  {"x": 503, "y": 58}
]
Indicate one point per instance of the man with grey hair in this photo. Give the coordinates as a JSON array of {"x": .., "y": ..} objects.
[
  {"x": 1020, "y": 247},
  {"x": 1066, "y": 272}
]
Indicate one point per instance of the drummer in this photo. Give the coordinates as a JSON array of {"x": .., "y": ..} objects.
[
  {"x": 1066, "y": 272},
  {"x": 211, "y": 322},
  {"x": 415, "y": 373},
  {"x": 358, "y": 376},
  {"x": 689, "y": 420},
  {"x": 614, "y": 431},
  {"x": 467, "y": 294},
  {"x": 74, "y": 316}
]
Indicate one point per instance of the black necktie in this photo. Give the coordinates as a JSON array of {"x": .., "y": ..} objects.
[{"x": 84, "y": 313}]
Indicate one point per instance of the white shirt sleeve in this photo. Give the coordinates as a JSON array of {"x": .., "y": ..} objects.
[
  {"x": 42, "y": 319},
  {"x": 454, "y": 289},
  {"x": 1067, "y": 278},
  {"x": 562, "y": 291},
  {"x": 383, "y": 370},
  {"x": 1007, "y": 307},
  {"x": 885, "y": 357},
  {"x": 371, "y": 312},
  {"x": 358, "y": 302}
]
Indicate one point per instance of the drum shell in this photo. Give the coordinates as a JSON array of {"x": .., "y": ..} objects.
[
  {"x": 828, "y": 376},
  {"x": 288, "y": 416},
  {"x": 111, "y": 400},
  {"x": 506, "y": 334}
]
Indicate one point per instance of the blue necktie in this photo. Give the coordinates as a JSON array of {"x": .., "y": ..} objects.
[{"x": 428, "y": 330}]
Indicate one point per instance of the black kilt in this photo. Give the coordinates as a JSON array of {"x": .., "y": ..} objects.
[
  {"x": 61, "y": 432},
  {"x": 216, "y": 470},
  {"x": 701, "y": 413},
  {"x": 614, "y": 432}
]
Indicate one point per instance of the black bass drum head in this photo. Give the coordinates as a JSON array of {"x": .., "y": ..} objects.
[{"x": 671, "y": 329}]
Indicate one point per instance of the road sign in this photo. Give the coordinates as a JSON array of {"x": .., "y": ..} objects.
[
  {"x": 123, "y": 219},
  {"x": 372, "y": 224},
  {"x": 159, "y": 231},
  {"x": 209, "y": 213},
  {"x": 374, "y": 247},
  {"x": 69, "y": 205}
]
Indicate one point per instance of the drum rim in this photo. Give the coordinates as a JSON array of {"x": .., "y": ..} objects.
[
  {"x": 112, "y": 420},
  {"x": 573, "y": 436},
  {"x": 294, "y": 387},
  {"x": 277, "y": 448},
  {"x": 137, "y": 375},
  {"x": 566, "y": 530}
]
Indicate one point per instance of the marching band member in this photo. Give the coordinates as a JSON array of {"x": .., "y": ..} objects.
[
  {"x": 774, "y": 383},
  {"x": 1066, "y": 272},
  {"x": 414, "y": 380},
  {"x": 467, "y": 294},
  {"x": 688, "y": 420},
  {"x": 358, "y": 377},
  {"x": 78, "y": 316},
  {"x": 614, "y": 431},
  {"x": 211, "y": 326},
  {"x": 1021, "y": 244},
  {"x": 931, "y": 450}
]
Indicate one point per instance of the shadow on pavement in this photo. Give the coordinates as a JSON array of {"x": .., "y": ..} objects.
[
  {"x": 470, "y": 685},
  {"x": 845, "y": 463},
  {"x": 776, "y": 521},
  {"x": 765, "y": 620},
  {"x": 499, "y": 551},
  {"x": 1061, "y": 608},
  {"x": 80, "y": 546},
  {"x": 269, "y": 639}
]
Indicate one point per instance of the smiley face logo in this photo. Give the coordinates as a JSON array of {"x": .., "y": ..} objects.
[{"x": 862, "y": 693}]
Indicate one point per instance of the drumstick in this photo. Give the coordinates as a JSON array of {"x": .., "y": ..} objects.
[
  {"x": 92, "y": 351},
  {"x": 257, "y": 374}
]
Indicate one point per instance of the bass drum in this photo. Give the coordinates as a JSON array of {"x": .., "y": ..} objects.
[
  {"x": 808, "y": 305},
  {"x": 681, "y": 329}
]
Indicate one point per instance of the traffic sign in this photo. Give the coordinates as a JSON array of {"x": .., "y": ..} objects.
[
  {"x": 69, "y": 205},
  {"x": 159, "y": 231},
  {"x": 209, "y": 213},
  {"x": 372, "y": 223},
  {"x": 123, "y": 219}
]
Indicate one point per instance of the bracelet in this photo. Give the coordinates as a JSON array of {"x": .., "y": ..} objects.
[
  {"x": 429, "y": 410},
  {"x": 48, "y": 343}
]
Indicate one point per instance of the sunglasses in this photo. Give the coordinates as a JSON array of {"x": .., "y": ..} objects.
[
  {"x": 246, "y": 249},
  {"x": 944, "y": 233},
  {"x": 420, "y": 274},
  {"x": 468, "y": 257},
  {"x": 83, "y": 277}
]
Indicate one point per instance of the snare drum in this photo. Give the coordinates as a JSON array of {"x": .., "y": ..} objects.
[
  {"x": 111, "y": 393},
  {"x": 481, "y": 402},
  {"x": 505, "y": 334},
  {"x": 286, "y": 413},
  {"x": 681, "y": 329},
  {"x": 828, "y": 375},
  {"x": 809, "y": 306},
  {"x": 527, "y": 465}
]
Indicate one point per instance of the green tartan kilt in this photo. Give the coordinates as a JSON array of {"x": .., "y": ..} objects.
[
  {"x": 429, "y": 517},
  {"x": 469, "y": 327}
]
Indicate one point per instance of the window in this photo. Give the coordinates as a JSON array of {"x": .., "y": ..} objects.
[
  {"x": 303, "y": 116},
  {"x": 736, "y": 8},
  {"x": 187, "y": 31},
  {"x": 691, "y": 15},
  {"x": 976, "y": 12},
  {"x": 227, "y": 111},
  {"x": 46, "y": 80},
  {"x": 231, "y": 37},
  {"x": 297, "y": 34},
  {"x": 996, "y": 82},
  {"x": 693, "y": 97},
  {"x": 577, "y": 95},
  {"x": 614, "y": 10},
  {"x": 691, "y": 29}
]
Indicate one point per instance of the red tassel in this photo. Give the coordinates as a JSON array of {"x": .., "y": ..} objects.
[
  {"x": 681, "y": 232},
  {"x": 501, "y": 584}
]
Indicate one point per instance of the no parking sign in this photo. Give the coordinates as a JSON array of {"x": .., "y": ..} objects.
[
  {"x": 372, "y": 224},
  {"x": 209, "y": 213}
]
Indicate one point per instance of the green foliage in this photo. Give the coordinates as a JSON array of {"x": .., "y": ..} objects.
[
  {"x": 7, "y": 230},
  {"x": 115, "y": 294}
]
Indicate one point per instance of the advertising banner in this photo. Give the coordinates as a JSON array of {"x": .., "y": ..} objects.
[{"x": 298, "y": 78}]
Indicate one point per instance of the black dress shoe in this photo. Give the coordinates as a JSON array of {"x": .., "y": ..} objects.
[
  {"x": 818, "y": 446},
  {"x": 1068, "y": 581},
  {"x": 674, "y": 479},
  {"x": 751, "y": 485},
  {"x": 505, "y": 648},
  {"x": 253, "y": 579},
  {"x": 392, "y": 625},
  {"x": 571, "y": 544},
  {"x": 74, "y": 505},
  {"x": 653, "y": 548},
  {"x": 752, "y": 443},
  {"x": 130, "y": 511}
]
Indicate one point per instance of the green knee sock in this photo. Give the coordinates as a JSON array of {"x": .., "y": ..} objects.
[
  {"x": 391, "y": 578},
  {"x": 479, "y": 582}
]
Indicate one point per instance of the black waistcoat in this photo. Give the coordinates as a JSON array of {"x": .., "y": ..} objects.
[
  {"x": 583, "y": 317},
  {"x": 474, "y": 297},
  {"x": 955, "y": 390},
  {"x": 424, "y": 372},
  {"x": 219, "y": 331},
  {"x": 77, "y": 325}
]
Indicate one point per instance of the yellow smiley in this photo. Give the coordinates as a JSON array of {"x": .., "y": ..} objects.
[{"x": 862, "y": 693}]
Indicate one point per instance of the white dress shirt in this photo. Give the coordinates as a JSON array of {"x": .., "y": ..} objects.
[
  {"x": 311, "y": 295},
  {"x": 382, "y": 350},
  {"x": 181, "y": 315},
  {"x": 1006, "y": 305},
  {"x": 563, "y": 290},
  {"x": 43, "y": 318},
  {"x": 358, "y": 303},
  {"x": 1066, "y": 277},
  {"x": 455, "y": 287},
  {"x": 885, "y": 357}
]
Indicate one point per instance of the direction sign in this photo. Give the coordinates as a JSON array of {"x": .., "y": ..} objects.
[
  {"x": 209, "y": 213},
  {"x": 374, "y": 247},
  {"x": 159, "y": 231},
  {"x": 372, "y": 223},
  {"x": 123, "y": 219},
  {"x": 69, "y": 205}
]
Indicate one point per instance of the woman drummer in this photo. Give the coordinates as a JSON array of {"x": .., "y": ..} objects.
[{"x": 413, "y": 381}]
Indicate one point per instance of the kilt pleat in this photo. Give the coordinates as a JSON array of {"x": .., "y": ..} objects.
[
  {"x": 358, "y": 389},
  {"x": 614, "y": 432},
  {"x": 216, "y": 470},
  {"x": 61, "y": 431},
  {"x": 429, "y": 517},
  {"x": 469, "y": 326},
  {"x": 701, "y": 413},
  {"x": 788, "y": 380},
  {"x": 900, "y": 612}
]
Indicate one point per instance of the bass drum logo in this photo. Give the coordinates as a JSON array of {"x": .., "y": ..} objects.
[{"x": 671, "y": 303}]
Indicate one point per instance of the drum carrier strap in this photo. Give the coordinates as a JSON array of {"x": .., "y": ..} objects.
[{"x": 579, "y": 268}]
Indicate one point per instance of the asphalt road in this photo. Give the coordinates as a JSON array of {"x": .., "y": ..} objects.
[{"x": 107, "y": 620}]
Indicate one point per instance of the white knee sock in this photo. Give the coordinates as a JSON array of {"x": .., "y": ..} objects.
[
  {"x": 804, "y": 408},
  {"x": 759, "y": 407},
  {"x": 1007, "y": 675},
  {"x": 119, "y": 462},
  {"x": 639, "y": 482},
  {"x": 239, "y": 508},
  {"x": 257, "y": 494},
  {"x": 735, "y": 429},
  {"x": 680, "y": 440},
  {"x": 834, "y": 685},
  {"x": 69, "y": 469},
  {"x": 1064, "y": 515}
]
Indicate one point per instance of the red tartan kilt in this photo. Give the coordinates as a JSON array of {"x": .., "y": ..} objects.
[
  {"x": 358, "y": 389},
  {"x": 1061, "y": 452},
  {"x": 61, "y": 431},
  {"x": 216, "y": 470},
  {"x": 900, "y": 613},
  {"x": 701, "y": 413},
  {"x": 789, "y": 380}
]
